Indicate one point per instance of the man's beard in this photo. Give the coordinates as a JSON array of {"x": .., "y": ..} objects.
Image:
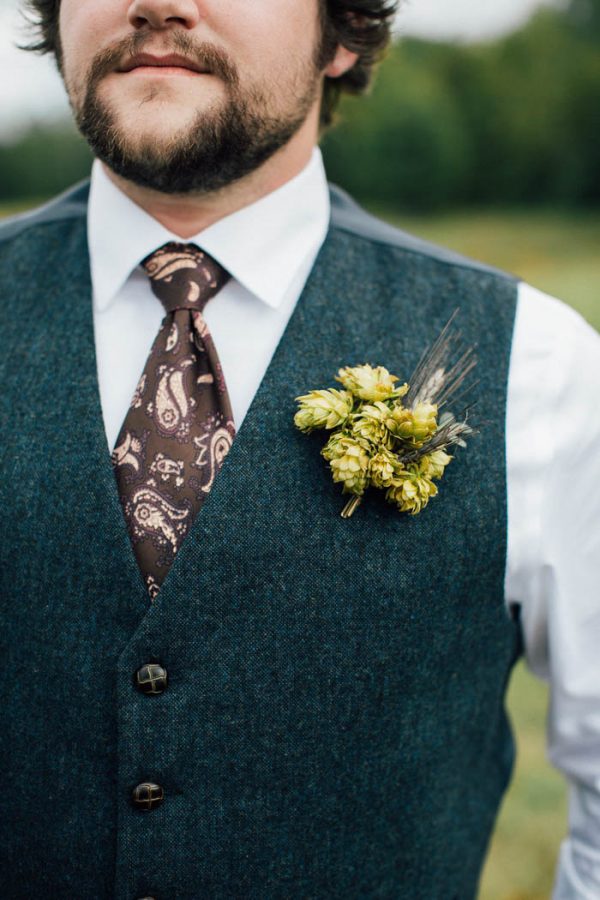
[{"x": 219, "y": 148}]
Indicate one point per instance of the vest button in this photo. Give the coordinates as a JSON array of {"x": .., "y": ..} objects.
[
  {"x": 151, "y": 679},
  {"x": 147, "y": 795}
]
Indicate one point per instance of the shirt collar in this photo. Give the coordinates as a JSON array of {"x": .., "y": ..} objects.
[{"x": 262, "y": 245}]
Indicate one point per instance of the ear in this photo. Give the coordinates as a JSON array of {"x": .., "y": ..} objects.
[{"x": 341, "y": 63}]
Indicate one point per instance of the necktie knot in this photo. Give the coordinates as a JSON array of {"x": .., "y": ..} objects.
[{"x": 184, "y": 277}]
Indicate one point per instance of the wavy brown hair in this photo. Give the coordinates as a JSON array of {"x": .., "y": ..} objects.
[{"x": 362, "y": 26}]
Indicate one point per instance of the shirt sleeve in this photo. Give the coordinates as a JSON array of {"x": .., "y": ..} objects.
[{"x": 553, "y": 565}]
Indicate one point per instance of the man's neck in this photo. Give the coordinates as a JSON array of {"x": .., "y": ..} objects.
[{"x": 188, "y": 214}]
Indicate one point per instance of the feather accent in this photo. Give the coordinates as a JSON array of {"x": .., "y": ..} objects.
[{"x": 434, "y": 380}]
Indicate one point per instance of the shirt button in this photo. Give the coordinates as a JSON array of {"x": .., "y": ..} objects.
[
  {"x": 151, "y": 679},
  {"x": 147, "y": 795}
]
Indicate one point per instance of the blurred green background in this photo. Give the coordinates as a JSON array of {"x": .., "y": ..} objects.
[{"x": 490, "y": 149}]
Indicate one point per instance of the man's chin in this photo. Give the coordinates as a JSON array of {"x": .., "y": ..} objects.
[
  {"x": 153, "y": 174},
  {"x": 159, "y": 108},
  {"x": 141, "y": 129},
  {"x": 144, "y": 144}
]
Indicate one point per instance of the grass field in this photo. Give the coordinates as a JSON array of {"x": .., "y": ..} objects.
[{"x": 559, "y": 254}]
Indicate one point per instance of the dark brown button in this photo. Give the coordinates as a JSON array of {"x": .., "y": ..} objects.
[
  {"x": 151, "y": 679},
  {"x": 147, "y": 795}
]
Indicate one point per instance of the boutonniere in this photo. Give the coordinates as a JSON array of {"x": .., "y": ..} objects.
[{"x": 389, "y": 437}]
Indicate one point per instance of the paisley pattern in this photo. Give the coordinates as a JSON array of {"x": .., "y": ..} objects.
[
  {"x": 154, "y": 517},
  {"x": 179, "y": 427},
  {"x": 138, "y": 394},
  {"x": 173, "y": 339},
  {"x": 212, "y": 446},
  {"x": 168, "y": 469},
  {"x": 172, "y": 407},
  {"x": 127, "y": 453}
]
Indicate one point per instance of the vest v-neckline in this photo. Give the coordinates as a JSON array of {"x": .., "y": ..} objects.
[
  {"x": 251, "y": 445},
  {"x": 304, "y": 319}
]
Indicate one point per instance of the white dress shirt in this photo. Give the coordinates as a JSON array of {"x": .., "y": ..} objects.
[{"x": 553, "y": 438}]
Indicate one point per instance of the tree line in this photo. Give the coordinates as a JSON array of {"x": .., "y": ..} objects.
[{"x": 514, "y": 120}]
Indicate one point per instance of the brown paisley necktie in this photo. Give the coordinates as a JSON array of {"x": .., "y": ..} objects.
[{"x": 179, "y": 427}]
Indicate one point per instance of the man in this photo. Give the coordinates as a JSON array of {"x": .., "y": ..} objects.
[{"x": 215, "y": 686}]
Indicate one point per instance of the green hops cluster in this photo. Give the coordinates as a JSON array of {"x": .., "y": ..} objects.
[
  {"x": 376, "y": 440},
  {"x": 383, "y": 468},
  {"x": 369, "y": 424},
  {"x": 368, "y": 383},
  {"x": 323, "y": 409},
  {"x": 413, "y": 487},
  {"x": 416, "y": 425},
  {"x": 411, "y": 492},
  {"x": 432, "y": 465},
  {"x": 349, "y": 463}
]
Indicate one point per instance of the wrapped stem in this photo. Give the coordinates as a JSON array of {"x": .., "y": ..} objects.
[{"x": 350, "y": 507}]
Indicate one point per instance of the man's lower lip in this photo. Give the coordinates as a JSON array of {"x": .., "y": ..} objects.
[{"x": 160, "y": 71}]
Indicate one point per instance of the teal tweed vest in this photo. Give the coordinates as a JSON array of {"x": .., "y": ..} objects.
[{"x": 333, "y": 725}]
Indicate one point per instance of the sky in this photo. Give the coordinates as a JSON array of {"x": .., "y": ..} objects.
[{"x": 30, "y": 88}]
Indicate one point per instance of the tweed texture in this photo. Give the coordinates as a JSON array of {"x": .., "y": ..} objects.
[{"x": 334, "y": 724}]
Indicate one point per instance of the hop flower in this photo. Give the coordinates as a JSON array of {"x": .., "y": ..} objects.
[
  {"x": 383, "y": 468},
  {"x": 335, "y": 446},
  {"x": 415, "y": 425},
  {"x": 323, "y": 409},
  {"x": 369, "y": 424},
  {"x": 349, "y": 462},
  {"x": 424, "y": 421},
  {"x": 411, "y": 491},
  {"x": 370, "y": 383},
  {"x": 432, "y": 465}
]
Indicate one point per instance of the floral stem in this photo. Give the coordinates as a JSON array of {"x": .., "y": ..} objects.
[{"x": 350, "y": 506}]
